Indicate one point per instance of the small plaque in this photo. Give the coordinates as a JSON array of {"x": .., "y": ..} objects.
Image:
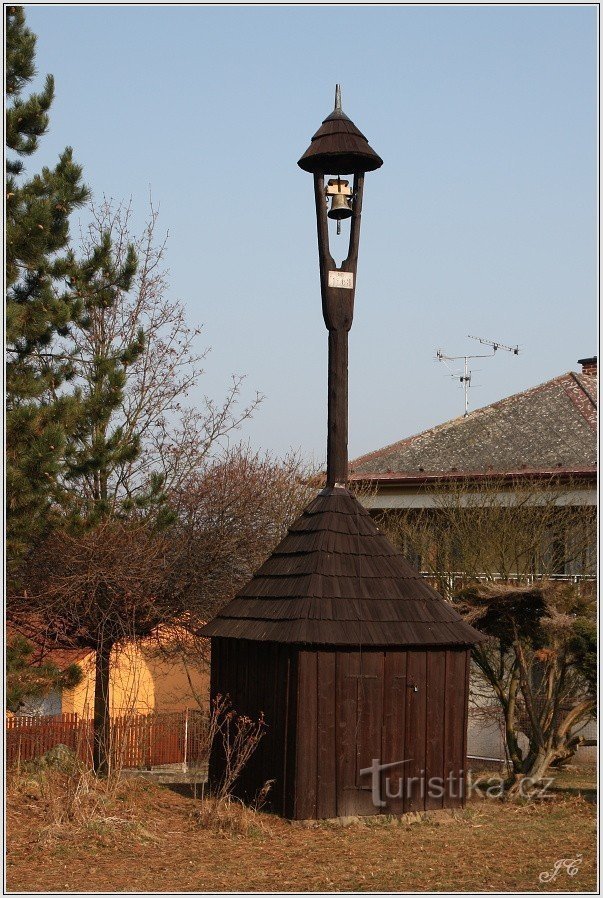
[{"x": 342, "y": 279}]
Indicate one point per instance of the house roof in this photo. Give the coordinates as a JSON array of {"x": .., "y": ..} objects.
[
  {"x": 335, "y": 579},
  {"x": 547, "y": 430},
  {"x": 45, "y": 650}
]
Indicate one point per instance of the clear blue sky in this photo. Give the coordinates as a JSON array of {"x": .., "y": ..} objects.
[{"x": 482, "y": 220}]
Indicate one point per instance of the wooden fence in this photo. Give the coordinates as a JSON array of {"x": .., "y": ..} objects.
[{"x": 137, "y": 740}]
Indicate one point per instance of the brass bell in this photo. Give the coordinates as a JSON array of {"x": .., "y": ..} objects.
[{"x": 341, "y": 197}]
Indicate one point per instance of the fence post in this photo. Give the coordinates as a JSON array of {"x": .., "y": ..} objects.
[
  {"x": 185, "y": 738},
  {"x": 149, "y": 754}
]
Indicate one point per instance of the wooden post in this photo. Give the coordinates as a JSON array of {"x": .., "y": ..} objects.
[
  {"x": 338, "y": 313},
  {"x": 185, "y": 737},
  {"x": 337, "y": 419},
  {"x": 149, "y": 728}
]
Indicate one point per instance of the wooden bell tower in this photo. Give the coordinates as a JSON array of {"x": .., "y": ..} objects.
[{"x": 353, "y": 658}]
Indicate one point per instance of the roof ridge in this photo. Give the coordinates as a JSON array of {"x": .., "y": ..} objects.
[
  {"x": 576, "y": 378},
  {"x": 458, "y": 420},
  {"x": 582, "y": 400}
]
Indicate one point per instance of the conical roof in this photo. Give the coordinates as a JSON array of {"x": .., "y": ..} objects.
[
  {"x": 336, "y": 580},
  {"x": 338, "y": 147}
]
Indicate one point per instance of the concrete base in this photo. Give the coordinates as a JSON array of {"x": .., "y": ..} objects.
[
  {"x": 438, "y": 816},
  {"x": 169, "y": 774}
]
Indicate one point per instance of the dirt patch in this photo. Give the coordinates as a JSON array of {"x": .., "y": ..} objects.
[{"x": 153, "y": 840}]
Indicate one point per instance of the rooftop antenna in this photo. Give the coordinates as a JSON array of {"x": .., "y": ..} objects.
[{"x": 465, "y": 376}]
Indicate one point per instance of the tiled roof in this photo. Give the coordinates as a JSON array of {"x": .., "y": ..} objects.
[
  {"x": 336, "y": 580},
  {"x": 549, "y": 429}
]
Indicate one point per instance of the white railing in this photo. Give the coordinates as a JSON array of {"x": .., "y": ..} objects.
[{"x": 451, "y": 579}]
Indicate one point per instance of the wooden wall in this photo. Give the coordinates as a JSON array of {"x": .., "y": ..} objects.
[
  {"x": 330, "y": 712},
  {"x": 260, "y": 678}
]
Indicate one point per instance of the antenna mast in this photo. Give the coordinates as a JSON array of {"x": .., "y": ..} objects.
[{"x": 465, "y": 376}]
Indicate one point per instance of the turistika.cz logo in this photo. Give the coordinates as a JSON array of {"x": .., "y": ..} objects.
[{"x": 456, "y": 784}]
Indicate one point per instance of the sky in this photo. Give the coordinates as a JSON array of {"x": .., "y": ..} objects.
[{"x": 482, "y": 220}]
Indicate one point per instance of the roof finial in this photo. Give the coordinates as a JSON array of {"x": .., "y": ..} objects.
[{"x": 338, "y": 98}]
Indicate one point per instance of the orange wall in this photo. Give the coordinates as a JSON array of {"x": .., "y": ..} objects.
[{"x": 142, "y": 680}]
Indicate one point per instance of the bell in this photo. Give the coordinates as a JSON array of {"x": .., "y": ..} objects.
[
  {"x": 341, "y": 196},
  {"x": 340, "y": 207}
]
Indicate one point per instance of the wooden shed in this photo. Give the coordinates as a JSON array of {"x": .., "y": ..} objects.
[{"x": 355, "y": 661}]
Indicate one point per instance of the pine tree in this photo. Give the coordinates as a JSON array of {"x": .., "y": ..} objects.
[
  {"x": 100, "y": 442},
  {"x": 40, "y": 302},
  {"x": 29, "y": 678}
]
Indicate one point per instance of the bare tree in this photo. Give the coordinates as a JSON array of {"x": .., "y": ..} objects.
[
  {"x": 133, "y": 360},
  {"x": 141, "y": 435},
  {"x": 540, "y": 663},
  {"x": 122, "y": 580},
  {"x": 95, "y": 589},
  {"x": 513, "y": 533},
  {"x": 498, "y": 551},
  {"x": 229, "y": 517}
]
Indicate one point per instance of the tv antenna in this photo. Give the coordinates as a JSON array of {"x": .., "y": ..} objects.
[{"x": 464, "y": 376}]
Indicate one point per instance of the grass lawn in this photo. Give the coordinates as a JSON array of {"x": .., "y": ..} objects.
[{"x": 149, "y": 839}]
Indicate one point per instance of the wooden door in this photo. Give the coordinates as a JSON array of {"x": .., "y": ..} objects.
[
  {"x": 358, "y": 728},
  {"x": 373, "y": 708}
]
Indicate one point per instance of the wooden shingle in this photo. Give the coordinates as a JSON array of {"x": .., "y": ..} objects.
[
  {"x": 336, "y": 580},
  {"x": 339, "y": 148}
]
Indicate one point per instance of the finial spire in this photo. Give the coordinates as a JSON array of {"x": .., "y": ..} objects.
[{"x": 338, "y": 98}]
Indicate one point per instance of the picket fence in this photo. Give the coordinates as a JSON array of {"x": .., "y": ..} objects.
[{"x": 137, "y": 740}]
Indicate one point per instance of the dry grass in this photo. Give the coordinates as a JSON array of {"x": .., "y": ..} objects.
[
  {"x": 230, "y": 816},
  {"x": 72, "y": 800},
  {"x": 142, "y": 837}
]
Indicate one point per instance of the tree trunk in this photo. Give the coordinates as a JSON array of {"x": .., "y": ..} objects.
[
  {"x": 536, "y": 769},
  {"x": 101, "y": 754},
  {"x": 510, "y": 715}
]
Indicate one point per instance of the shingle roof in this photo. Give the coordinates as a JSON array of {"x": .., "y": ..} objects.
[
  {"x": 339, "y": 147},
  {"x": 550, "y": 428},
  {"x": 335, "y": 579}
]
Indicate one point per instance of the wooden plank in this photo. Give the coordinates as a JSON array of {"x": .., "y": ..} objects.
[
  {"x": 454, "y": 723},
  {"x": 369, "y": 686},
  {"x": 290, "y": 736},
  {"x": 245, "y": 693},
  {"x": 393, "y": 745},
  {"x": 466, "y": 724},
  {"x": 326, "y": 802},
  {"x": 266, "y": 687},
  {"x": 269, "y": 686},
  {"x": 416, "y": 712},
  {"x": 434, "y": 728},
  {"x": 217, "y": 673},
  {"x": 214, "y": 667},
  {"x": 347, "y": 667},
  {"x": 306, "y": 763},
  {"x": 276, "y": 747}
]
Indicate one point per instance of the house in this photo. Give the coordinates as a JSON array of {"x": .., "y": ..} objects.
[
  {"x": 529, "y": 459},
  {"x": 542, "y": 441},
  {"x": 144, "y": 678}
]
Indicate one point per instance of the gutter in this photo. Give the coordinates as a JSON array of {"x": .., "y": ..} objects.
[{"x": 556, "y": 475}]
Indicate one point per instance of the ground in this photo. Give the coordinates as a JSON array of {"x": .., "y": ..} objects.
[{"x": 150, "y": 839}]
